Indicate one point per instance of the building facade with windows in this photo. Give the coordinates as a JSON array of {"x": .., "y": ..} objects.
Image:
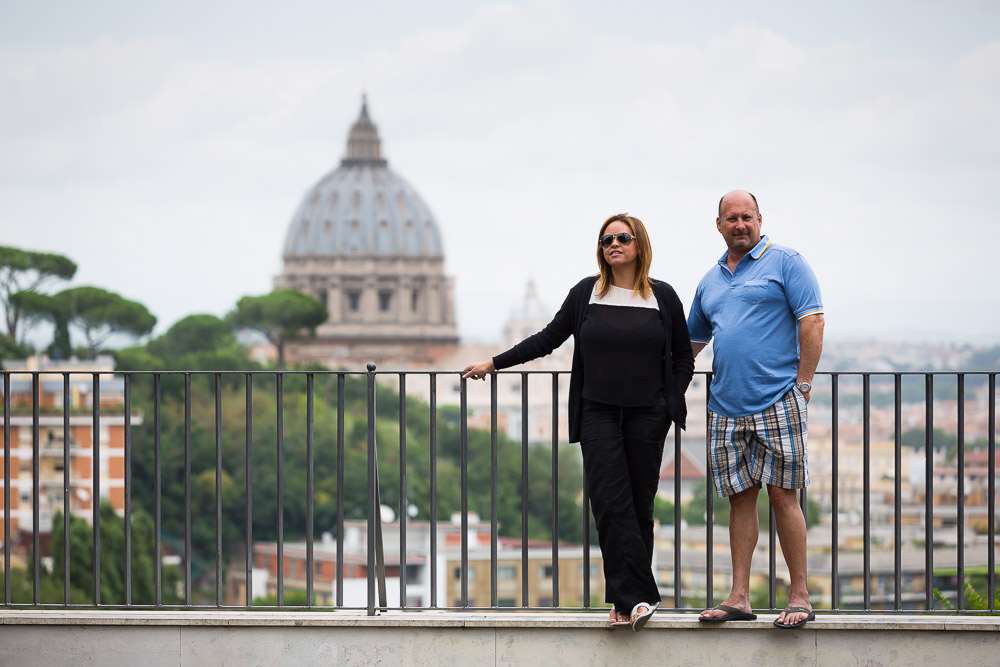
[{"x": 71, "y": 384}]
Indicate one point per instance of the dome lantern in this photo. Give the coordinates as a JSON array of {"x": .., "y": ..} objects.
[{"x": 363, "y": 145}]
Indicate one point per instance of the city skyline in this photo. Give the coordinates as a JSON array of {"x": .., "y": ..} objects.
[{"x": 166, "y": 150}]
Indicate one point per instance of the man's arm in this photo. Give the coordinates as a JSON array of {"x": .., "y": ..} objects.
[
  {"x": 697, "y": 347},
  {"x": 810, "y": 347}
]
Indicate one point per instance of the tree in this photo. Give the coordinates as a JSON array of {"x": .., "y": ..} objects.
[
  {"x": 99, "y": 314},
  {"x": 27, "y": 271},
  {"x": 38, "y": 306},
  {"x": 10, "y": 349},
  {"x": 281, "y": 315}
]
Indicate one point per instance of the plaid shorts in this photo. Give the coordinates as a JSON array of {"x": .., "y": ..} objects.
[{"x": 766, "y": 447}]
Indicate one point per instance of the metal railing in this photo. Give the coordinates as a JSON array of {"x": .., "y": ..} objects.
[{"x": 193, "y": 410}]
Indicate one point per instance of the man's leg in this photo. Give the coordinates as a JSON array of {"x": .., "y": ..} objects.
[
  {"x": 743, "y": 532},
  {"x": 791, "y": 527}
]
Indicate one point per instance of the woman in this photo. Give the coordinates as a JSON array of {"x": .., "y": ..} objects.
[{"x": 632, "y": 363}]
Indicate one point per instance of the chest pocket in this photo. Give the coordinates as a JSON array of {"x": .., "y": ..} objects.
[{"x": 754, "y": 292}]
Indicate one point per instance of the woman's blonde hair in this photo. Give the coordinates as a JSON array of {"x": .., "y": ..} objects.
[{"x": 644, "y": 257}]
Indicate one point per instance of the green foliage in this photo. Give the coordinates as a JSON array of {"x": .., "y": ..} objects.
[
  {"x": 281, "y": 315},
  {"x": 264, "y": 459},
  {"x": 9, "y": 349},
  {"x": 27, "y": 271},
  {"x": 81, "y": 568},
  {"x": 916, "y": 438},
  {"x": 195, "y": 343},
  {"x": 663, "y": 511},
  {"x": 974, "y": 600},
  {"x": 99, "y": 314},
  {"x": 290, "y": 599},
  {"x": 81, "y": 564}
]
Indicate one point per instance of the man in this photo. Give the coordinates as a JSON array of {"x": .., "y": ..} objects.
[{"x": 762, "y": 306}]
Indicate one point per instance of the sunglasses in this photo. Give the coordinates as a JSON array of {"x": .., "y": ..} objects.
[{"x": 624, "y": 238}]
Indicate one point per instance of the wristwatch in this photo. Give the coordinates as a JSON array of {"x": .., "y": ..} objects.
[{"x": 804, "y": 387}]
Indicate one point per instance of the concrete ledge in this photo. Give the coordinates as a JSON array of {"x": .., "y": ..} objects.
[
  {"x": 228, "y": 637},
  {"x": 451, "y": 619}
]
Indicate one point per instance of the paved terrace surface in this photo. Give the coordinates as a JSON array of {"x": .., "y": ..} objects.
[{"x": 228, "y": 637}]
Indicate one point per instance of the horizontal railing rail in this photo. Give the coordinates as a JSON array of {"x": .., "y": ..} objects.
[{"x": 212, "y": 448}]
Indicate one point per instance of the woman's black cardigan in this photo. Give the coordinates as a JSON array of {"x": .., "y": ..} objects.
[{"x": 678, "y": 361}]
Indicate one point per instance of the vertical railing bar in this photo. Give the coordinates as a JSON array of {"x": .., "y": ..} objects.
[
  {"x": 6, "y": 489},
  {"x": 310, "y": 416},
  {"x": 991, "y": 491},
  {"x": 402, "y": 490},
  {"x": 586, "y": 545},
  {"x": 248, "y": 486},
  {"x": 279, "y": 390},
  {"x": 218, "y": 489},
  {"x": 340, "y": 489},
  {"x": 127, "y": 379},
  {"x": 866, "y": 408},
  {"x": 772, "y": 566},
  {"x": 157, "y": 496},
  {"x": 709, "y": 503},
  {"x": 187, "y": 489},
  {"x": 524, "y": 489},
  {"x": 95, "y": 497},
  {"x": 929, "y": 491},
  {"x": 372, "y": 508},
  {"x": 834, "y": 491},
  {"x": 464, "y": 475},
  {"x": 555, "y": 490},
  {"x": 36, "y": 499},
  {"x": 897, "y": 509},
  {"x": 433, "y": 473},
  {"x": 678, "y": 598},
  {"x": 494, "y": 491},
  {"x": 960, "y": 519},
  {"x": 67, "y": 400}
]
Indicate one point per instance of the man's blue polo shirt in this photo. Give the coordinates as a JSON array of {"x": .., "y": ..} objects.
[{"x": 753, "y": 316}]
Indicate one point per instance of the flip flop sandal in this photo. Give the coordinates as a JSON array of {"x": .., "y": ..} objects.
[
  {"x": 638, "y": 619},
  {"x": 796, "y": 610},
  {"x": 732, "y": 614},
  {"x": 616, "y": 623}
]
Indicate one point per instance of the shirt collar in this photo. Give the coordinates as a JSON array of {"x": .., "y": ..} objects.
[
  {"x": 757, "y": 251},
  {"x": 761, "y": 246}
]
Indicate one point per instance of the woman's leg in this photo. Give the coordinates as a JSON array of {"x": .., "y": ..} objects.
[
  {"x": 644, "y": 431},
  {"x": 627, "y": 574}
]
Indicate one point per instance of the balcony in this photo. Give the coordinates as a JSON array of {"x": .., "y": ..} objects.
[{"x": 467, "y": 539}]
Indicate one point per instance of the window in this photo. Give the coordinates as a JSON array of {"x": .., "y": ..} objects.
[
  {"x": 321, "y": 295},
  {"x": 384, "y": 300},
  {"x": 544, "y": 572},
  {"x": 458, "y": 573},
  {"x": 353, "y": 300},
  {"x": 414, "y": 300},
  {"x": 506, "y": 602},
  {"x": 506, "y": 572}
]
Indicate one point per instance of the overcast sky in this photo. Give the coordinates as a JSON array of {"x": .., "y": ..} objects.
[{"x": 164, "y": 148}]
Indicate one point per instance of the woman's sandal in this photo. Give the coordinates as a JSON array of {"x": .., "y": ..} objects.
[{"x": 638, "y": 619}]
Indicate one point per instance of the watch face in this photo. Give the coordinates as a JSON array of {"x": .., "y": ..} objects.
[{"x": 804, "y": 387}]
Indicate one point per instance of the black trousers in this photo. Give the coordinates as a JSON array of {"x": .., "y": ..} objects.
[{"x": 622, "y": 452}]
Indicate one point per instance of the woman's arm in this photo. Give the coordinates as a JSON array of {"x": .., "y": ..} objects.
[{"x": 537, "y": 345}]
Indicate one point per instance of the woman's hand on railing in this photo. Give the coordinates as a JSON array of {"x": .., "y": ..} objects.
[{"x": 479, "y": 370}]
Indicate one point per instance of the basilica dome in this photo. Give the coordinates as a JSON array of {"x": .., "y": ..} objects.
[
  {"x": 364, "y": 243},
  {"x": 362, "y": 207}
]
